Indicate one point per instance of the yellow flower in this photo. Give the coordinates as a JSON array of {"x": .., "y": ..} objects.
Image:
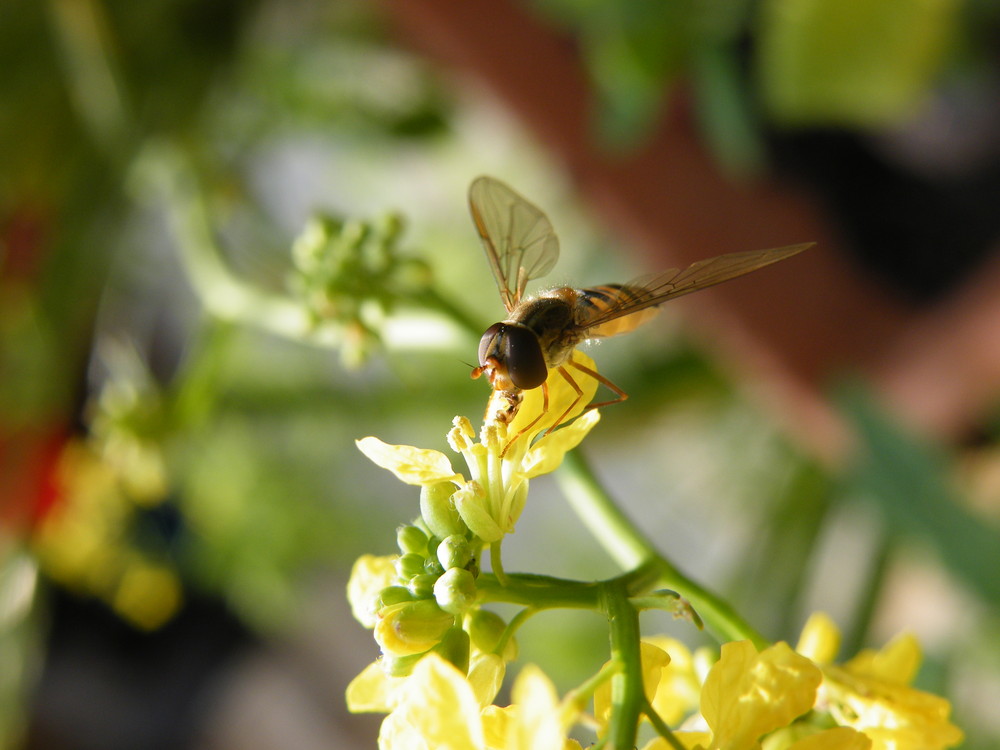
[
  {"x": 871, "y": 693},
  {"x": 503, "y": 460},
  {"x": 436, "y": 709},
  {"x": 369, "y": 576},
  {"x": 749, "y": 694},
  {"x": 678, "y": 686}
]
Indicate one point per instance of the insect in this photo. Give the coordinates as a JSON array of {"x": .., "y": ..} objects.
[{"x": 540, "y": 332}]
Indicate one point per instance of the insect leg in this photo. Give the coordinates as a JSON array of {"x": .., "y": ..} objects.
[
  {"x": 533, "y": 422},
  {"x": 621, "y": 395},
  {"x": 576, "y": 387}
]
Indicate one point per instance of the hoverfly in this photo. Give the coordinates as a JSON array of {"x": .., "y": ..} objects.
[{"x": 540, "y": 332}]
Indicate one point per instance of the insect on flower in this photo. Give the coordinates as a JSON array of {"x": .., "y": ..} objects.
[{"x": 540, "y": 332}]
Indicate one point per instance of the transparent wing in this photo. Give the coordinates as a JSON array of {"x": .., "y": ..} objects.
[
  {"x": 649, "y": 291},
  {"x": 519, "y": 241}
]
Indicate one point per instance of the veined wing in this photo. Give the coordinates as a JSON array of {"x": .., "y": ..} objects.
[
  {"x": 518, "y": 238},
  {"x": 608, "y": 304}
]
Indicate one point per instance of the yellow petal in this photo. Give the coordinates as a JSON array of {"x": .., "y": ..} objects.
[
  {"x": 486, "y": 672},
  {"x": 437, "y": 710},
  {"x": 373, "y": 691},
  {"x": 471, "y": 503},
  {"x": 654, "y": 660},
  {"x": 546, "y": 455},
  {"x": 747, "y": 694},
  {"x": 677, "y": 692},
  {"x": 898, "y": 661},
  {"x": 838, "y": 738},
  {"x": 496, "y": 725},
  {"x": 561, "y": 396},
  {"x": 820, "y": 639},
  {"x": 369, "y": 576},
  {"x": 411, "y": 465},
  {"x": 539, "y": 724},
  {"x": 690, "y": 740},
  {"x": 891, "y": 714}
]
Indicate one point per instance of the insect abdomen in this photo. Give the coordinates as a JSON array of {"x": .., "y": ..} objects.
[{"x": 596, "y": 301}]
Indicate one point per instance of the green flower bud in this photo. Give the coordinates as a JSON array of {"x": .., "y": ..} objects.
[
  {"x": 393, "y": 595},
  {"x": 412, "y": 627},
  {"x": 454, "y": 647},
  {"x": 422, "y": 586},
  {"x": 455, "y": 591},
  {"x": 409, "y": 565},
  {"x": 411, "y": 539},
  {"x": 399, "y": 666},
  {"x": 454, "y": 552},
  {"x": 485, "y": 629},
  {"x": 433, "y": 567},
  {"x": 438, "y": 511}
]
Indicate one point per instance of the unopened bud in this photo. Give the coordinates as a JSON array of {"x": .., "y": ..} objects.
[
  {"x": 454, "y": 552},
  {"x": 411, "y": 539},
  {"x": 412, "y": 627},
  {"x": 486, "y": 629},
  {"x": 454, "y": 647},
  {"x": 409, "y": 565},
  {"x": 438, "y": 510},
  {"x": 455, "y": 591}
]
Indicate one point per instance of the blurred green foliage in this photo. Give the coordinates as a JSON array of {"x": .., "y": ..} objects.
[{"x": 152, "y": 308}]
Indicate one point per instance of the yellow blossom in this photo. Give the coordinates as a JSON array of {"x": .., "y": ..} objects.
[
  {"x": 678, "y": 686},
  {"x": 373, "y": 691},
  {"x": 871, "y": 693},
  {"x": 749, "y": 694},
  {"x": 536, "y": 720},
  {"x": 654, "y": 661},
  {"x": 504, "y": 458},
  {"x": 437, "y": 709},
  {"x": 369, "y": 576}
]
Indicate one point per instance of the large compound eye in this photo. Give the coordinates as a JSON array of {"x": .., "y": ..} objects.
[
  {"x": 525, "y": 361},
  {"x": 487, "y": 341}
]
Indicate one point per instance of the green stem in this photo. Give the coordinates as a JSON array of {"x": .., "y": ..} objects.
[
  {"x": 627, "y": 695},
  {"x": 629, "y": 547},
  {"x": 661, "y": 726},
  {"x": 496, "y": 563},
  {"x": 539, "y": 592}
]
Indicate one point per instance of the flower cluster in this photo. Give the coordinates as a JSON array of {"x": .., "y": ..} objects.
[
  {"x": 777, "y": 698},
  {"x": 425, "y": 599},
  {"x": 443, "y": 656}
]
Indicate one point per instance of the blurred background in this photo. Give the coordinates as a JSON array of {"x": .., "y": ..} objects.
[{"x": 234, "y": 238}]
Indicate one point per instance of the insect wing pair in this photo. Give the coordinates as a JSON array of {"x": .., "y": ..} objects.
[{"x": 540, "y": 332}]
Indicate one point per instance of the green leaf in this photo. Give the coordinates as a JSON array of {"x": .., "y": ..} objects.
[
  {"x": 908, "y": 481},
  {"x": 851, "y": 62}
]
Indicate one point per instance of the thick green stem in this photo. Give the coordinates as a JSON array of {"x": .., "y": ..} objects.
[
  {"x": 627, "y": 696},
  {"x": 539, "y": 592},
  {"x": 629, "y": 547}
]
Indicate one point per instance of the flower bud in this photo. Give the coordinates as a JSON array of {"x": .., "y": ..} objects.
[
  {"x": 399, "y": 666},
  {"x": 412, "y": 627},
  {"x": 485, "y": 629},
  {"x": 472, "y": 505},
  {"x": 454, "y": 647},
  {"x": 409, "y": 565},
  {"x": 454, "y": 552},
  {"x": 411, "y": 539},
  {"x": 393, "y": 595},
  {"x": 422, "y": 586},
  {"x": 455, "y": 591},
  {"x": 438, "y": 510},
  {"x": 433, "y": 567}
]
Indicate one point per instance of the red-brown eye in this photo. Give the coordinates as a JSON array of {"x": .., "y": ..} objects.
[
  {"x": 525, "y": 361},
  {"x": 486, "y": 342}
]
